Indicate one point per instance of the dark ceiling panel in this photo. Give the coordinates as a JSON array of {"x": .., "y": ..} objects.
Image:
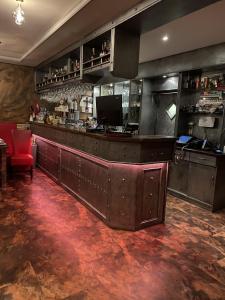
[{"x": 163, "y": 13}]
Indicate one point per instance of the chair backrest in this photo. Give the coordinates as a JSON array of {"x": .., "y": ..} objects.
[
  {"x": 6, "y": 135},
  {"x": 22, "y": 141}
]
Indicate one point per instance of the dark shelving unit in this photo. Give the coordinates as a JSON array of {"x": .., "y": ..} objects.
[
  {"x": 48, "y": 78},
  {"x": 101, "y": 57}
]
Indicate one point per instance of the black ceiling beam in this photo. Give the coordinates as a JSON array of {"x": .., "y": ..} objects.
[{"x": 162, "y": 13}]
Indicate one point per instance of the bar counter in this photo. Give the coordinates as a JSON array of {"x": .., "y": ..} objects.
[{"x": 123, "y": 180}]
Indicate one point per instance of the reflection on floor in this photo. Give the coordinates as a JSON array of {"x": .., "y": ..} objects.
[{"x": 51, "y": 247}]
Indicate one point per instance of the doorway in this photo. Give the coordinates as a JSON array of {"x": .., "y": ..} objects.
[{"x": 165, "y": 112}]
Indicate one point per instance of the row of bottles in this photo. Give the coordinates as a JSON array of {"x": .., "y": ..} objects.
[
  {"x": 205, "y": 83},
  {"x": 75, "y": 66},
  {"x": 59, "y": 72},
  {"x": 105, "y": 49},
  {"x": 191, "y": 82},
  {"x": 98, "y": 55},
  {"x": 94, "y": 55}
]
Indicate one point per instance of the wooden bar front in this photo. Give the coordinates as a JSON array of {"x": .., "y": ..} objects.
[{"x": 127, "y": 191}]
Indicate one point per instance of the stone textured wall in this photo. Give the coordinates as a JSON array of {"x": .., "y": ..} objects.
[{"x": 16, "y": 92}]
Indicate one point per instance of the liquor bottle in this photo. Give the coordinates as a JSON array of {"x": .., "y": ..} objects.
[
  {"x": 77, "y": 65},
  {"x": 186, "y": 83},
  {"x": 102, "y": 53},
  {"x": 193, "y": 83},
  {"x": 197, "y": 82},
  {"x": 107, "y": 47},
  {"x": 72, "y": 66},
  {"x": 93, "y": 55},
  {"x": 106, "y": 50}
]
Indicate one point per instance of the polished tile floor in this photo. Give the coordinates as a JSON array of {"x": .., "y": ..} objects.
[{"x": 51, "y": 247}]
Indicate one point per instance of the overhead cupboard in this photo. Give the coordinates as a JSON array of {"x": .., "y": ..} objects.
[{"x": 115, "y": 52}]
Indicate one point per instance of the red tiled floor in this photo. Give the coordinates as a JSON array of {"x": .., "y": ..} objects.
[{"x": 51, "y": 247}]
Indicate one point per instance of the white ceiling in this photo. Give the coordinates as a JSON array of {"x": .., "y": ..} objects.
[
  {"x": 52, "y": 25},
  {"x": 42, "y": 18},
  {"x": 200, "y": 29}
]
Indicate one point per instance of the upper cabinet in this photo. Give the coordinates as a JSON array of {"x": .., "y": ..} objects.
[
  {"x": 115, "y": 51},
  {"x": 97, "y": 54},
  {"x": 67, "y": 68}
]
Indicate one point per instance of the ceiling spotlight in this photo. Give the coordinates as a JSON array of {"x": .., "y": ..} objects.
[
  {"x": 165, "y": 38},
  {"x": 18, "y": 14},
  {"x": 164, "y": 76}
]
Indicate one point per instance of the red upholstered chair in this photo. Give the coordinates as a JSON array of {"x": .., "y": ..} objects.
[
  {"x": 22, "y": 156},
  {"x": 6, "y": 135}
]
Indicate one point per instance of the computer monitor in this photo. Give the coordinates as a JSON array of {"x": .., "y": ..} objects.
[{"x": 109, "y": 110}]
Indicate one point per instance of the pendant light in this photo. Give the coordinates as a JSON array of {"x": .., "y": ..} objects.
[{"x": 18, "y": 14}]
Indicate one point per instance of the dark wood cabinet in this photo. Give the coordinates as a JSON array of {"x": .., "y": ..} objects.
[
  {"x": 201, "y": 183},
  {"x": 151, "y": 204},
  {"x": 178, "y": 176},
  {"x": 198, "y": 177}
]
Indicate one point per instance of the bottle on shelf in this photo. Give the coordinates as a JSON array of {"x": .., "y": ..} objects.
[
  {"x": 102, "y": 53},
  {"x": 186, "y": 82},
  {"x": 77, "y": 65},
  {"x": 197, "y": 82},
  {"x": 106, "y": 50},
  {"x": 93, "y": 55},
  {"x": 107, "y": 47},
  {"x": 72, "y": 66}
]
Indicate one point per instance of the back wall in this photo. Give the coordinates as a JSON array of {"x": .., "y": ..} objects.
[{"x": 16, "y": 92}]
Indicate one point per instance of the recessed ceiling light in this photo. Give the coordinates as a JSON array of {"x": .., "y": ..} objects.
[
  {"x": 164, "y": 76},
  {"x": 165, "y": 38}
]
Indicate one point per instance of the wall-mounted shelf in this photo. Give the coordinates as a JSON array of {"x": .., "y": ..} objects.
[
  {"x": 100, "y": 60},
  {"x": 202, "y": 113},
  {"x": 115, "y": 51},
  {"x": 66, "y": 69}
]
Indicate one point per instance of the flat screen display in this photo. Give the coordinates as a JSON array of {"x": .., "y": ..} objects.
[{"x": 109, "y": 110}]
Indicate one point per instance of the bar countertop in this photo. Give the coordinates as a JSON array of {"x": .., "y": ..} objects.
[
  {"x": 102, "y": 136},
  {"x": 135, "y": 149}
]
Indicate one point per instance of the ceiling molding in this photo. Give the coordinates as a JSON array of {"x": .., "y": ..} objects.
[{"x": 7, "y": 59}]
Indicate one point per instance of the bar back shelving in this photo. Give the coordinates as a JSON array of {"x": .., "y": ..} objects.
[{"x": 63, "y": 70}]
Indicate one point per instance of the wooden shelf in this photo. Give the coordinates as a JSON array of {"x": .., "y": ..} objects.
[
  {"x": 58, "y": 81},
  {"x": 96, "y": 58},
  {"x": 187, "y": 90},
  {"x": 202, "y": 113},
  {"x": 96, "y": 67}
]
